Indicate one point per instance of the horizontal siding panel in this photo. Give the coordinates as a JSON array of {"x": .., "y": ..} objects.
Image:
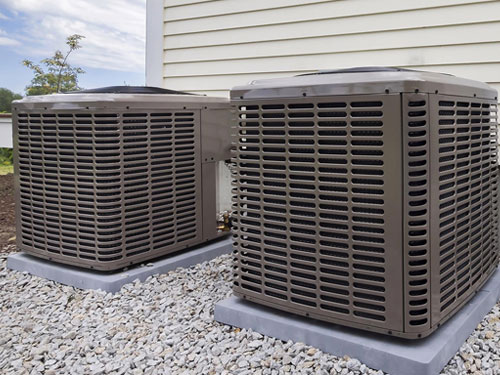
[
  {"x": 447, "y": 35},
  {"x": 343, "y": 12},
  {"x": 438, "y": 55},
  {"x": 176, "y": 3},
  {"x": 487, "y": 72},
  {"x": 362, "y": 25},
  {"x": 226, "y": 7},
  {"x": 213, "y": 45}
]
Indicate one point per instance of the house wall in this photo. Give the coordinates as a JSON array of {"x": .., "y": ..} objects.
[
  {"x": 5, "y": 132},
  {"x": 208, "y": 46}
]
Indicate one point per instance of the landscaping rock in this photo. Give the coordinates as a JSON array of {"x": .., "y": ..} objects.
[{"x": 165, "y": 326}]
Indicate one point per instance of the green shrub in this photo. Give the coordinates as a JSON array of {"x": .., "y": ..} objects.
[{"x": 6, "y": 156}]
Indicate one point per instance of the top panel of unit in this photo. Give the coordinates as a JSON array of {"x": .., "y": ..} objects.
[
  {"x": 117, "y": 96},
  {"x": 363, "y": 81}
]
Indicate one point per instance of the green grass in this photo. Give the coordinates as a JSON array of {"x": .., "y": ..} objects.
[{"x": 6, "y": 169}]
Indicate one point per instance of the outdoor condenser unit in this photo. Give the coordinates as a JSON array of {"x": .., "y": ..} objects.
[
  {"x": 366, "y": 197},
  {"x": 111, "y": 177}
]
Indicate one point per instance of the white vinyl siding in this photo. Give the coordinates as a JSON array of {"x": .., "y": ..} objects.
[
  {"x": 210, "y": 46},
  {"x": 5, "y": 131}
]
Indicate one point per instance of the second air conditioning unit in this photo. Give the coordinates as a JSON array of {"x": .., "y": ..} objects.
[
  {"x": 111, "y": 177},
  {"x": 366, "y": 197}
]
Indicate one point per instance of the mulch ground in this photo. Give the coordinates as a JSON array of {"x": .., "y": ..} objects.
[{"x": 7, "y": 214}]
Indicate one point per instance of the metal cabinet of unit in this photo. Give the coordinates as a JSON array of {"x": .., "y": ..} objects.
[
  {"x": 111, "y": 177},
  {"x": 366, "y": 197}
]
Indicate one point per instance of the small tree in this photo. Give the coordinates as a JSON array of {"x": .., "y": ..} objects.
[{"x": 60, "y": 76}]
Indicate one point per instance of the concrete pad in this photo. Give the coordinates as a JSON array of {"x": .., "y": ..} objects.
[
  {"x": 112, "y": 282},
  {"x": 393, "y": 355}
]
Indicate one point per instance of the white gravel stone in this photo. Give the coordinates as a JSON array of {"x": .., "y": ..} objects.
[{"x": 165, "y": 326}]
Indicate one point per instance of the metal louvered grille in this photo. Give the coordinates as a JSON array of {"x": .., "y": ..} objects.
[
  {"x": 416, "y": 212},
  {"x": 466, "y": 221},
  {"x": 344, "y": 205},
  {"x": 104, "y": 189},
  {"x": 317, "y": 207}
]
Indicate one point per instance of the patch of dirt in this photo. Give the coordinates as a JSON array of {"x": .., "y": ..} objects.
[{"x": 7, "y": 214}]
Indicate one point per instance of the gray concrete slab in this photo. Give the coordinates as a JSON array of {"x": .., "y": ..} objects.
[
  {"x": 112, "y": 282},
  {"x": 393, "y": 355}
]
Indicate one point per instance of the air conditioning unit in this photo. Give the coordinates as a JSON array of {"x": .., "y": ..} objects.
[
  {"x": 111, "y": 177},
  {"x": 366, "y": 197}
]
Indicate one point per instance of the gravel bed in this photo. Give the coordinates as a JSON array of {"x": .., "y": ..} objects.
[
  {"x": 166, "y": 326},
  {"x": 8, "y": 249}
]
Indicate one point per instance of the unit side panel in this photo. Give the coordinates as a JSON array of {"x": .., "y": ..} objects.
[
  {"x": 464, "y": 213},
  {"x": 318, "y": 215}
]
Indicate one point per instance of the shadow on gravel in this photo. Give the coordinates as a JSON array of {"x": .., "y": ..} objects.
[{"x": 7, "y": 214}]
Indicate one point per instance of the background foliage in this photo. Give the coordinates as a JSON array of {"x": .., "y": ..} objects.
[
  {"x": 6, "y": 97},
  {"x": 52, "y": 75},
  {"x": 5, "y": 156},
  {"x": 55, "y": 74}
]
